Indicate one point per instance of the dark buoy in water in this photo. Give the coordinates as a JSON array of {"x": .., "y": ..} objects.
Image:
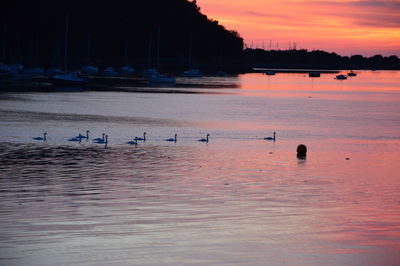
[{"x": 301, "y": 151}]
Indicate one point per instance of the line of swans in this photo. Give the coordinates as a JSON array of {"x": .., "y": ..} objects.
[{"x": 104, "y": 138}]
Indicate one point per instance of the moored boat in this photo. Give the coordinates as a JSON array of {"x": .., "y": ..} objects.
[
  {"x": 192, "y": 73},
  {"x": 127, "y": 70},
  {"x": 109, "y": 72},
  {"x": 161, "y": 79},
  {"x": 270, "y": 73},
  {"x": 148, "y": 72},
  {"x": 91, "y": 70},
  {"x": 68, "y": 79},
  {"x": 351, "y": 74},
  {"x": 314, "y": 74},
  {"x": 341, "y": 77}
]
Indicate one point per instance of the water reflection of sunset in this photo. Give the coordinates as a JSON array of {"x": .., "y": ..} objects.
[{"x": 238, "y": 198}]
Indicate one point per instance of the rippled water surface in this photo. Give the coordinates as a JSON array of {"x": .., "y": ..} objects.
[{"x": 238, "y": 199}]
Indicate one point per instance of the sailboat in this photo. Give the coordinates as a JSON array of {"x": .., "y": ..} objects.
[
  {"x": 89, "y": 69},
  {"x": 152, "y": 75},
  {"x": 127, "y": 70},
  {"x": 191, "y": 72},
  {"x": 67, "y": 78}
]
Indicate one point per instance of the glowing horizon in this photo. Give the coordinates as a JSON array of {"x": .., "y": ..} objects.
[{"x": 352, "y": 27}]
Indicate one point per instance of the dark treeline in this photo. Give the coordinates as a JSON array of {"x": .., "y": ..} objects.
[
  {"x": 316, "y": 59},
  {"x": 111, "y": 32},
  {"x": 105, "y": 32}
]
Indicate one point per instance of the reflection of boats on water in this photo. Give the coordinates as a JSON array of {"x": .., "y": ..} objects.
[
  {"x": 69, "y": 79},
  {"x": 314, "y": 74},
  {"x": 192, "y": 73},
  {"x": 341, "y": 77},
  {"x": 161, "y": 79}
]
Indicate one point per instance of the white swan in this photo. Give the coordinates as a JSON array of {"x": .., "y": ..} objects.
[
  {"x": 100, "y": 139},
  {"x": 133, "y": 142},
  {"x": 104, "y": 141},
  {"x": 83, "y": 136},
  {"x": 144, "y": 137},
  {"x": 78, "y": 138},
  {"x": 204, "y": 140},
  {"x": 172, "y": 139},
  {"x": 41, "y": 138},
  {"x": 271, "y": 138}
]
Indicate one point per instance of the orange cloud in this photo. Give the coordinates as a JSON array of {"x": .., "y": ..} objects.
[{"x": 366, "y": 27}]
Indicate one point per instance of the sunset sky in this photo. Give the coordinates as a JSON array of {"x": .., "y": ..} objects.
[{"x": 345, "y": 27}]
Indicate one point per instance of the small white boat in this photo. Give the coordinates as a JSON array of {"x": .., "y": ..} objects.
[
  {"x": 192, "y": 73},
  {"x": 341, "y": 77},
  {"x": 91, "y": 70},
  {"x": 161, "y": 79},
  {"x": 68, "y": 79},
  {"x": 109, "y": 72},
  {"x": 127, "y": 70}
]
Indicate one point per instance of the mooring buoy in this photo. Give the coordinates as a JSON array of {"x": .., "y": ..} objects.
[{"x": 301, "y": 151}]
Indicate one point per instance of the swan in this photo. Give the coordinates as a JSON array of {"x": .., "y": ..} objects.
[
  {"x": 144, "y": 137},
  {"x": 83, "y": 136},
  {"x": 78, "y": 138},
  {"x": 100, "y": 139},
  {"x": 41, "y": 138},
  {"x": 133, "y": 142},
  {"x": 172, "y": 139},
  {"x": 103, "y": 141},
  {"x": 204, "y": 140},
  {"x": 271, "y": 138}
]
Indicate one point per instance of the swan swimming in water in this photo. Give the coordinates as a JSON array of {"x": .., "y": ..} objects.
[
  {"x": 271, "y": 138},
  {"x": 103, "y": 141},
  {"x": 133, "y": 142},
  {"x": 78, "y": 138},
  {"x": 83, "y": 136},
  {"x": 100, "y": 139},
  {"x": 144, "y": 137},
  {"x": 172, "y": 139},
  {"x": 204, "y": 140},
  {"x": 41, "y": 138}
]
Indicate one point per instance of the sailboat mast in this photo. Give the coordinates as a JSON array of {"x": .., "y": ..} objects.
[
  {"x": 158, "y": 48},
  {"x": 149, "y": 51},
  {"x": 89, "y": 46},
  {"x": 190, "y": 50},
  {"x": 66, "y": 41},
  {"x": 3, "y": 46}
]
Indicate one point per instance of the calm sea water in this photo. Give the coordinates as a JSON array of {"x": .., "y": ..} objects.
[{"x": 238, "y": 199}]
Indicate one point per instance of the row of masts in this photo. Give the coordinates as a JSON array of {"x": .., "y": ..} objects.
[
  {"x": 272, "y": 45},
  {"x": 66, "y": 55}
]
